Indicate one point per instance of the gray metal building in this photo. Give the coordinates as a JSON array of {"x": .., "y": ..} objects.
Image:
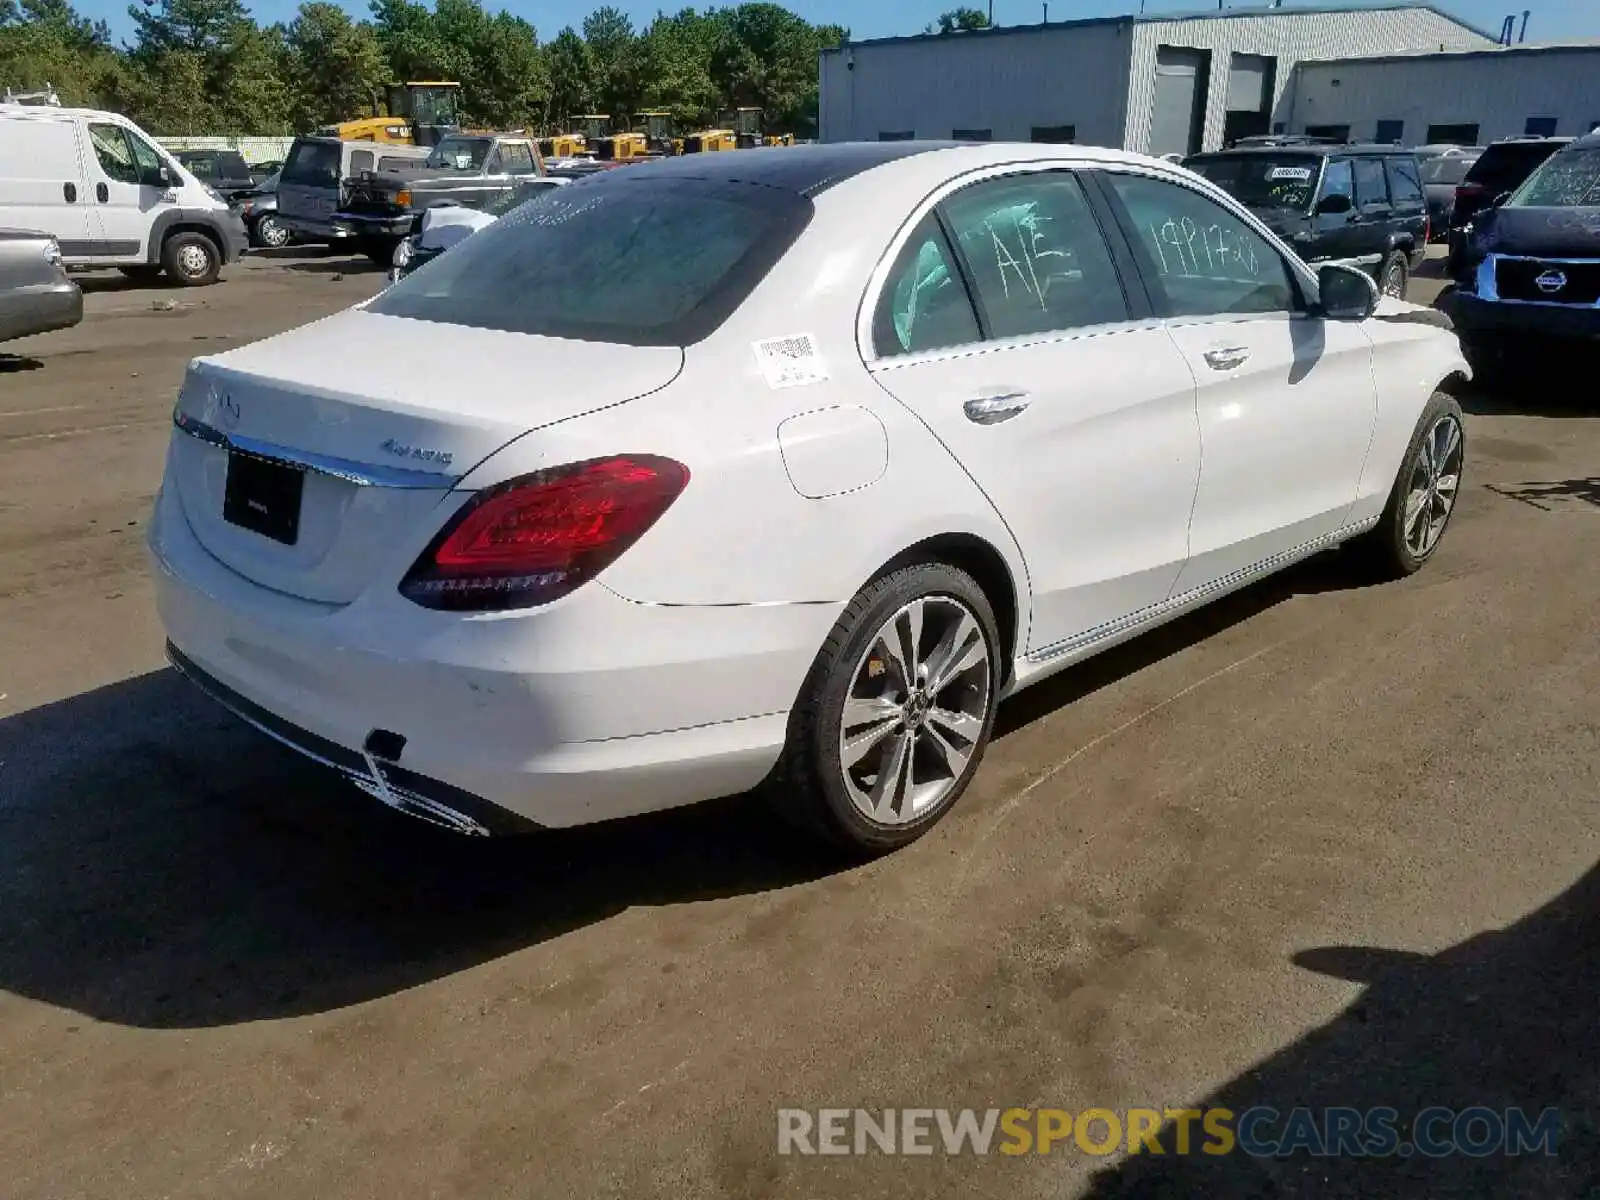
[
  {"x": 1470, "y": 97},
  {"x": 1158, "y": 84}
]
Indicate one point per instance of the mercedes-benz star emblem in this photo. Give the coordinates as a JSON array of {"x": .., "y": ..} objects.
[{"x": 1551, "y": 281}]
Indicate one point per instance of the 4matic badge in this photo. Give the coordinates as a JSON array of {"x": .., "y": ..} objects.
[{"x": 425, "y": 454}]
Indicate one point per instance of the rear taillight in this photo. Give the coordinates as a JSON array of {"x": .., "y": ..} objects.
[
  {"x": 534, "y": 539},
  {"x": 1467, "y": 190}
]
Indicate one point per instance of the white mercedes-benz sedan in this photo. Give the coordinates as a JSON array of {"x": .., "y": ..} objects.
[{"x": 781, "y": 468}]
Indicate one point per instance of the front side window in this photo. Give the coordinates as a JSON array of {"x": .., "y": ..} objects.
[
  {"x": 147, "y": 159},
  {"x": 313, "y": 164},
  {"x": 233, "y": 166},
  {"x": 1265, "y": 181},
  {"x": 924, "y": 305},
  {"x": 112, "y": 151},
  {"x": 1036, "y": 254},
  {"x": 1370, "y": 185},
  {"x": 1570, "y": 179},
  {"x": 631, "y": 261},
  {"x": 1201, "y": 258},
  {"x": 459, "y": 154}
]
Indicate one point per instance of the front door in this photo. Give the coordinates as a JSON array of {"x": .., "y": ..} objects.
[
  {"x": 125, "y": 174},
  {"x": 1286, "y": 400},
  {"x": 1069, "y": 407}
]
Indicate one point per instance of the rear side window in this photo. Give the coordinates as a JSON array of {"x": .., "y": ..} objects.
[
  {"x": 636, "y": 261},
  {"x": 1404, "y": 185},
  {"x": 232, "y": 166},
  {"x": 1036, "y": 255},
  {"x": 390, "y": 163},
  {"x": 313, "y": 164},
  {"x": 360, "y": 160},
  {"x": 1370, "y": 185},
  {"x": 1505, "y": 165},
  {"x": 516, "y": 158}
]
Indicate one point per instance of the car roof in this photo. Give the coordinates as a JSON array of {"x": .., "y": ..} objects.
[
  {"x": 813, "y": 168},
  {"x": 1323, "y": 148}
]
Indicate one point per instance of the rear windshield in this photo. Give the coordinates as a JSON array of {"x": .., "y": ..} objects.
[
  {"x": 638, "y": 261},
  {"x": 1445, "y": 170},
  {"x": 1263, "y": 180},
  {"x": 1506, "y": 164},
  {"x": 459, "y": 154},
  {"x": 314, "y": 164},
  {"x": 1570, "y": 179},
  {"x": 233, "y": 166}
]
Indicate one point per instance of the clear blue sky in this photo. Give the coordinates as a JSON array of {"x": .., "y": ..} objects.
[{"x": 1552, "y": 19}]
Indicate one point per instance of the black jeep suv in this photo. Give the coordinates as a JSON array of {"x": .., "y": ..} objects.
[
  {"x": 1358, "y": 205},
  {"x": 1529, "y": 272}
]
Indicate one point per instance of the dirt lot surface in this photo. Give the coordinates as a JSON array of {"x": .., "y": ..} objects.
[{"x": 1321, "y": 844}]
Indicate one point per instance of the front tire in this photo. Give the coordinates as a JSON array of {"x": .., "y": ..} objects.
[
  {"x": 1392, "y": 279},
  {"x": 1424, "y": 495},
  {"x": 895, "y": 715},
  {"x": 191, "y": 259}
]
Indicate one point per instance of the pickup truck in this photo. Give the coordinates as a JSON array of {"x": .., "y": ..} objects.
[{"x": 383, "y": 208}]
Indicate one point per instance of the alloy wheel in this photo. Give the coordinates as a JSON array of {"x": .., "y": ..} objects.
[
  {"x": 916, "y": 710},
  {"x": 1394, "y": 281},
  {"x": 272, "y": 232},
  {"x": 1431, "y": 491}
]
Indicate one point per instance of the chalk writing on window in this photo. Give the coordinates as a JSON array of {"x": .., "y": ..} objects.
[{"x": 1184, "y": 248}]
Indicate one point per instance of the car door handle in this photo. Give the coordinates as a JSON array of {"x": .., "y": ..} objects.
[
  {"x": 102, "y": 193},
  {"x": 991, "y": 410},
  {"x": 70, "y": 191},
  {"x": 1226, "y": 358}
]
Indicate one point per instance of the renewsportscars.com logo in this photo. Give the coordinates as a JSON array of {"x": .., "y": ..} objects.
[{"x": 1260, "y": 1132}]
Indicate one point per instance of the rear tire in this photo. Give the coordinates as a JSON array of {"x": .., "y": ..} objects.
[
  {"x": 270, "y": 232},
  {"x": 1424, "y": 495},
  {"x": 884, "y": 775},
  {"x": 191, "y": 259},
  {"x": 1396, "y": 271}
]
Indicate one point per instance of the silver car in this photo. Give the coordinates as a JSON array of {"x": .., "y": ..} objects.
[{"x": 35, "y": 294}]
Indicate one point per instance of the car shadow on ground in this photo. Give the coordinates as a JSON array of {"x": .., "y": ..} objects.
[
  {"x": 1562, "y": 495},
  {"x": 359, "y": 265},
  {"x": 161, "y": 865},
  {"x": 1506, "y": 1019},
  {"x": 12, "y": 363}
]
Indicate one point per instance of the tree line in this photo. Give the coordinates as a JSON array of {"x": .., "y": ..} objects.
[{"x": 199, "y": 67}]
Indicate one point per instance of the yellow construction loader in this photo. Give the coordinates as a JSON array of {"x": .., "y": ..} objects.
[{"x": 418, "y": 114}]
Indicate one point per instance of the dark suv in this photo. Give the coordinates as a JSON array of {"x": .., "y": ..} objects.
[
  {"x": 1530, "y": 270},
  {"x": 224, "y": 170},
  {"x": 1501, "y": 168},
  {"x": 1357, "y": 205}
]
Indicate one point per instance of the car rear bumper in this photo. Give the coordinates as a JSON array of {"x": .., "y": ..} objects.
[
  {"x": 39, "y": 309},
  {"x": 1472, "y": 314},
  {"x": 594, "y": 708}
]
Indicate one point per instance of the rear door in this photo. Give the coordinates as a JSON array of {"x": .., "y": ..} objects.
[
  {"x": 1075, "y": 414},
  {"x": 42, "y": 184},
  {"x": 1374, "y": 214},
  {"x": 1286, "y": 402}
]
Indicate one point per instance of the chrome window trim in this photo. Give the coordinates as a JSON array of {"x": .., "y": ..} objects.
[{"x": 360, "y": 474}]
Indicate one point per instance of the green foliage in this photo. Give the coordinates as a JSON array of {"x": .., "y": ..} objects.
[
  {"x": 958, "y": 20},
  {"x": 206, "y": 67}
]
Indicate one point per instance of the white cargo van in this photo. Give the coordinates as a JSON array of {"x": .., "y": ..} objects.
[{"x": 110, "y": 196}]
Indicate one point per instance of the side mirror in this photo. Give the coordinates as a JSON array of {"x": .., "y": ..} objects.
[
  {"x": 1346, "y": 293},
  {"x": 1334, "y": 204},
  {"x": 163, "y": 177}
]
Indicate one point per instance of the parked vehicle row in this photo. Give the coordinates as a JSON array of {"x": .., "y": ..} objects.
[{"x": 836, "y": 446}]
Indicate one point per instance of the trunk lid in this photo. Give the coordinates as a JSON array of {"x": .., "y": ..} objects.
[{"x": 380, "y": 416}]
